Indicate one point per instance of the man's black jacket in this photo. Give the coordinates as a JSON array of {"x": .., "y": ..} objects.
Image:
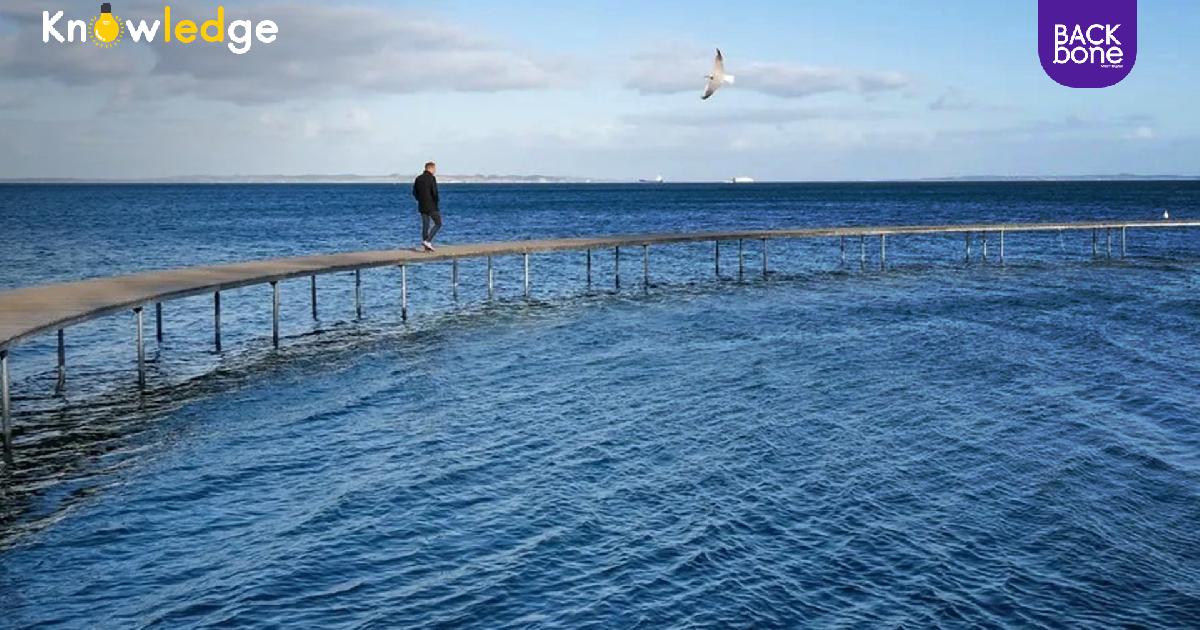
[{"x": 426, "y": 193}]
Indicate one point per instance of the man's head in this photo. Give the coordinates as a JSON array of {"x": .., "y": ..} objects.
[{"x": 431, "y": 168}]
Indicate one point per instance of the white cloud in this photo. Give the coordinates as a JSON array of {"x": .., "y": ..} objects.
[
  {"x": 354, "y": 122},
  {"x": 1141, "y": 133},
  {"x": 322, "y": 50},
  {"x": 869, "y": 82},
  {"x": 753, "y": 116},
  {"x": 952, "y": 100},
  {"x": 673, "y": 71}
]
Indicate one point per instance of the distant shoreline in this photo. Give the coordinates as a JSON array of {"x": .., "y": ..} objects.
[
  {"x": 315, "y": 179},
  {"x": 552, "y": 180}
]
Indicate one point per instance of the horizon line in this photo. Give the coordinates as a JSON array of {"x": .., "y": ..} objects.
[{"x": 561, "y": 179}]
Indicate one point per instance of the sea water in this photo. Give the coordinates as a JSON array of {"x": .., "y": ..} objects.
[{"x": 944, "y": 443}]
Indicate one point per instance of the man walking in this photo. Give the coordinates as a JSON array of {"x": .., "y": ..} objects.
[{"x": 425, "y": 191}]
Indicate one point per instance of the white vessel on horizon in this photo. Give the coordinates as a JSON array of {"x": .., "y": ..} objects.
[
  {"x": 742, "y": 180},
  {"x": 656, "y": 180}
]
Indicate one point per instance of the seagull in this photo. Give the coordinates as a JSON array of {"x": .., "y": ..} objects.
[{"x": 717, "y": 78}]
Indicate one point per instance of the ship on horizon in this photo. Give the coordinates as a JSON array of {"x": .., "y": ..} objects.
[{"x": 656, "y": 180}]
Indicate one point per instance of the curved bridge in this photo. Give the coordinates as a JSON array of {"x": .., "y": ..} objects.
[{"x": 36, "y": 310}]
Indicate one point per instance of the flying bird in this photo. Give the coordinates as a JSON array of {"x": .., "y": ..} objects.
[{"x": 717, "y": 78}]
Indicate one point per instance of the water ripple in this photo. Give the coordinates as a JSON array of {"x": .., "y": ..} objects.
[{"x": 931, "y": 447}]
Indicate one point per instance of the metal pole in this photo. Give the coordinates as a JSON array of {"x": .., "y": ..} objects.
[
  {"x": 882, "y": 252},
  {"x": 646, "y": 267},
  {"x": 454, "y": 276},
  {"x": 404, "y": 292},
  {"x": 1108, "y": 242},
  {"x": 313, "y": 292},
  {"x": 764, "y": 248},
  {"x": 617, "y": 267},
  {"x": 358, "y": 305},
  {"x": 968, "y": 248},
  {"x": 5, "y": 407},
  {"x": 62, "y": 363},
  {"x": 491, "y": 279},
  {"x": 843, "y": 251},
  {"x": 1095, "y": 238},
  {"x": 862, "y": 253},
  {"x": 983, "y": 247},
  {"x": 589, "y": 268},
  {"x": 741, "y": 259},
  {"x": 526, "y": 255},
  {"x": 1001, "y": 248},
  {"x": 1123, "y": 243},
  {"x": 275, "y": 314},
  {"x": 717, "y": 257},
  {"x": 158, "y": 322},
  {"x": 217, "y": 319},
  {"x": 141, "y": 348}
]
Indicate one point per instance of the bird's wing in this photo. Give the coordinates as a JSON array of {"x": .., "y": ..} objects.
[
  {"x": 719, "y": 64},
  {"x": 711, "y": 88}
]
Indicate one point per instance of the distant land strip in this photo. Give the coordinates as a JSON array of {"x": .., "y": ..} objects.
[{"x": 558, "y": 179}]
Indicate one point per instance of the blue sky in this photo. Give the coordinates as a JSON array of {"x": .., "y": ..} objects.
[{"x": 826, "y": 91}]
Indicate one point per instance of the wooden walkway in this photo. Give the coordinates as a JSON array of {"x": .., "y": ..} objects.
[
  {"x": 37, "y": 310},
  {"x": 30, "y": 311}
]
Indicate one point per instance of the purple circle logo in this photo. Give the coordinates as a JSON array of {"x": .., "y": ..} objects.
[{"x": 1087, "y": 43}]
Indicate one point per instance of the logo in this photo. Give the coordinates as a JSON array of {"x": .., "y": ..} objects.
[
  {"x": 106, "y": 27},
  {"x": 1087, "y": 43},
  {"x": 106, "y": 30}
]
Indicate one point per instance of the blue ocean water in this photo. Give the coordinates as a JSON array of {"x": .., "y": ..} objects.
[{"x": 939, "y": 444}]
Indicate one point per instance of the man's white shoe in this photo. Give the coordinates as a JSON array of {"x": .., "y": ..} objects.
[{"x": 429, "y": 247}]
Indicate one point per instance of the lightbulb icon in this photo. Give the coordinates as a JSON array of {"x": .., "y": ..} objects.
[{"x": 106, "y": 27}]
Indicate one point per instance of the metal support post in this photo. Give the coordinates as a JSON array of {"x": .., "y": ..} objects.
[{"x": 275, "y": 314}]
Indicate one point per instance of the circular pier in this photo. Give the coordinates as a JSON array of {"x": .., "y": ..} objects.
[{"x": 33, "y": 311}]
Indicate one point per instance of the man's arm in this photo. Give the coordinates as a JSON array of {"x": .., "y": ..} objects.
[{"x": 416, "y": 189}]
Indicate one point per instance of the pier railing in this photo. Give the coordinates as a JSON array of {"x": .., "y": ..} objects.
[{"x": 32, "y": 311}]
